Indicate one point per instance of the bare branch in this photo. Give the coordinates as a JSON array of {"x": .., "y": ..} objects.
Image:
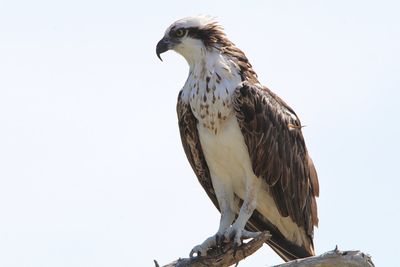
[
  {"x": 228, "y": 255},
  {"x": 225, "y": 256},
  {"x": 353, "y": 258}
]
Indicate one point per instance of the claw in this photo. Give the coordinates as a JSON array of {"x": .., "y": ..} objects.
[
  {"x": 219, "y": 239},
  {"x": 196, "y": 250},
  {"x": 201, "y": 250},
  {"x": 247, "y": 234},
  {"x": 230, "y": 234},
  {"x": 235, "y": 248}
]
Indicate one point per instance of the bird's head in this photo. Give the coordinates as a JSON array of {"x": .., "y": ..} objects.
[
  {"x": 192, "y": 37},
  {"x": 196, "y": 38}
]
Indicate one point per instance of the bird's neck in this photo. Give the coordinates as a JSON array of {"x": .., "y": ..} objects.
[
  {"x": 210, "y": 64},
  {"x": 212, "y": 81}
]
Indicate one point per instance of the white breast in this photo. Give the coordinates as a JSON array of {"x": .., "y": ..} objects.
[
  {"x": 209, "y": 90},
  {"x": 229, "y": 161}
]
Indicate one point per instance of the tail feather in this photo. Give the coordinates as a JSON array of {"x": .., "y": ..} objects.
[{"x": 286, "y": 249}]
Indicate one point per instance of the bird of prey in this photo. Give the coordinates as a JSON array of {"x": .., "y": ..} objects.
[{"x": 243, "y": 142}]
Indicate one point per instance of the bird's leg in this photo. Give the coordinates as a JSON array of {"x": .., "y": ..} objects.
[
  {"x": 225, "y": 201},
  {"x": 237, "y": 232},
  {"x": 227, "y": 217}
]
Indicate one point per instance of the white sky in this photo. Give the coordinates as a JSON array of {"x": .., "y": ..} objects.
[{"x": 92, "y": 172}]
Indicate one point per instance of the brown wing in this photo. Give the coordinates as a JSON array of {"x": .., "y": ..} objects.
[
  {"x": 272, "y": 133},
  {"x": 191, "y": 145}
]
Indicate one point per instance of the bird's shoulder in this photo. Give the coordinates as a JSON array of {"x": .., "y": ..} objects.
[{"x": 255, "y": 102}]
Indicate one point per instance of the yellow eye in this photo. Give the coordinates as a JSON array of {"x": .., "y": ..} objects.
[{"x": 179, "y": 33}]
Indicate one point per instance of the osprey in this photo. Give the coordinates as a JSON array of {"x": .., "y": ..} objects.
[{"x": 244, "y": 144}]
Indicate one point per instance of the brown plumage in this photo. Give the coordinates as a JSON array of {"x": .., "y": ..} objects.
[
  {"x": 272, "y": 134},
  {"x": 278, "y": 155}
]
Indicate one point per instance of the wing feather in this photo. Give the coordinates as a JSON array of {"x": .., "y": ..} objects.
[
  {"x": 277, "y": 168},
  {"x": 272, "y": 133},
  {"x": 192, "y": 147}
]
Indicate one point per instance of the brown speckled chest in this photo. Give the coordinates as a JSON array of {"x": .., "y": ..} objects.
[{"x": 210, "y": 100}]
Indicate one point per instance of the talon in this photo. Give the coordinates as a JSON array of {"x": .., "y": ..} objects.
[
  {"x": 196, "y": 250},
  {"x": 219, "y": 239},
  {"x": 229, "y": 234},
  {"x": 192, "y": 254},
  {"x": 238, "y": 240},
  {"x": 235, "y": 248},
  {"x": 201, "y": 250},
  {"x": 247, "y": 234}
]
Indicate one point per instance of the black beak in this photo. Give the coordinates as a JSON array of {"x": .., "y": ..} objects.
[{"x": 162, "y": 46}]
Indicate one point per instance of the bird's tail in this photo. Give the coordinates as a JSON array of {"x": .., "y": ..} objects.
[
  {"x": 286, "y": 249},
  {"x": 295, "y": 252}
]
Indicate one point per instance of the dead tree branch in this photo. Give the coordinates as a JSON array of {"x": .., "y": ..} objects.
[
  {"x": 225, "y": 256},
  {"x": 352, "y": 258},
  {"x": 228, "y": 255}
]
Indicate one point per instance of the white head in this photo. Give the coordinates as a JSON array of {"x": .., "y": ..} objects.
[
  {"x": 193, "y": 22},
  {"x": 196, "y": 37},
  {"x": 192, "y": 37}
]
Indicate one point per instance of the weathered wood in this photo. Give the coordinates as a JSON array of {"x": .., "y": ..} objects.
[
  {"x": 352, "y": 258},
  {"x": 228, "y": 256},
  {"x": 225, "y": 256}
]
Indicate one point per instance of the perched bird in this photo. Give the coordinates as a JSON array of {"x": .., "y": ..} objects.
[{"x": 244, "y": 144}]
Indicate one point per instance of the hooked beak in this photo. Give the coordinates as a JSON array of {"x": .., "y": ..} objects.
[{"x": 162, "y": 46}]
